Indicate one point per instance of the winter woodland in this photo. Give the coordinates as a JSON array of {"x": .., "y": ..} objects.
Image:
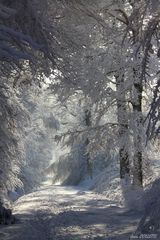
[{"x": 80, "y": 105}]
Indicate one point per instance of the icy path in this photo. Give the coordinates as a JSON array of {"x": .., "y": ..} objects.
[{"x": 68, "y": 213}]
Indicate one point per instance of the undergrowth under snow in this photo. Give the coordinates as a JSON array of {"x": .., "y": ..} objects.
[{"x": 108, "y": 183}]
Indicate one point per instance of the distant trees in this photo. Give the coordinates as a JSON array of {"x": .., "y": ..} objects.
[
  {"x": 38, "y": 142},
  {"x": 73, "y": 163}
]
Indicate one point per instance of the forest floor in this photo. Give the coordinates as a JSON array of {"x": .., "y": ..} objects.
[{"x": 69, "y": 213}]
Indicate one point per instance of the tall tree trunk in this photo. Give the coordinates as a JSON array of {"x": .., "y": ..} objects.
[
  {"x": 137, "y": 129},
  {"x": 88, "y": 123},
  {"x": 137, "y": 97},
  {"x": 123, "y": 127}
]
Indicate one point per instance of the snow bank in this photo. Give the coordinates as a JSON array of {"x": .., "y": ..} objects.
[{"x": 108, "y": 183}]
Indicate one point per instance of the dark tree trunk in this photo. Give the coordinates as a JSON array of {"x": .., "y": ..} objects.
[
  {"x": 88, "y": 123},
  {"x": 123, "y": 127},
  {"x": 137, "y": 99},
  {"x": 137, "y": 131}
]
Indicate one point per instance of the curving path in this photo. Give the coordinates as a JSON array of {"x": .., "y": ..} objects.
[{"x": 68, "y": 213}]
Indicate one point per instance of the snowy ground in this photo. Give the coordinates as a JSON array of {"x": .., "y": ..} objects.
[{"x": 68, "y": 213}]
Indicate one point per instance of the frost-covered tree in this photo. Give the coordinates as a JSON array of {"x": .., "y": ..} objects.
[
  {"x": 12, "y": 148},
  {"x": 24, "y": 45},
  {"x": 135, "y": 49},
  {"x": 91, "y": 72},
  {"x": 24, "y": 34}
]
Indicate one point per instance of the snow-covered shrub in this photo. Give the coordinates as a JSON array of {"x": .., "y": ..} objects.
[
  {"x": 12, "y": 117},
  {"x": 107, "y": 182}
]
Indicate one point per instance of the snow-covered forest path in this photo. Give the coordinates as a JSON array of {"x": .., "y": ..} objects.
[{"x": 68, "y": 213}]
